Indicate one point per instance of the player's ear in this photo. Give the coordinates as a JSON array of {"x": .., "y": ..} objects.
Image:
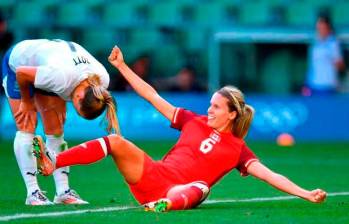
[{"x": 232, "y": 115}]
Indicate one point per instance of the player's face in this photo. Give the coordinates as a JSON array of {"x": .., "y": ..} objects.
[
  {"x": 219, "y": 116},
  {"x": 323, "y": 28},
  {"x": 78, "y": 95}
]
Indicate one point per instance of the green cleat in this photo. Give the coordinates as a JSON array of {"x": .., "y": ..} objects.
[
  {"x": 45, "y": 164},
  {"x": 162, "y": 205}
]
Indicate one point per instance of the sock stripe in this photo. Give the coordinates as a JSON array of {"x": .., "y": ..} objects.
[
  {"x": 104, "y": 146},
  {"x": 106, "y": 140}
]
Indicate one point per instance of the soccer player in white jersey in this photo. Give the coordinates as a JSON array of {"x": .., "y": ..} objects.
[{"x": 40, "y": 76}]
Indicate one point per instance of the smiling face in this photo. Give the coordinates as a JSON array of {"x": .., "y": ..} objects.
[{"x": 219, "y": 116}]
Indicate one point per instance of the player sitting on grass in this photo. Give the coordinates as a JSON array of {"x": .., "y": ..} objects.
[{"x": 208, "y": 148}]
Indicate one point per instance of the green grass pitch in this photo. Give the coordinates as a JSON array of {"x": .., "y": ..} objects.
[{"x": 311, "y": 165}]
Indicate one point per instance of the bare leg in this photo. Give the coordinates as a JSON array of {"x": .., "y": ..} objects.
[
  {"x": 20, "y": 124},
  {"x": 52, "y": 110},
  {"x": 128, "y": 158}
]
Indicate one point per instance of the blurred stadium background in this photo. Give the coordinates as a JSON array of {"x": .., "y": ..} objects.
[{"x": 260, "y": 46}]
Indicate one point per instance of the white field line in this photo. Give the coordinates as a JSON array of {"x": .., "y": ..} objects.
[
  {"x": 121, "y": 208},
  {"x": 280, "y": 198}
]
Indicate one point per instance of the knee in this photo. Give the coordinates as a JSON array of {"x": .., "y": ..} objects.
[
  {"x": 116, "y": 142},
  {"x": 28, "y": 127},
  {"x": 53, "y": 121},
  {"x": 194, "y": 193}
]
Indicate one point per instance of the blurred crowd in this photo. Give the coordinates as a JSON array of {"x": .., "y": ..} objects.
[
  {"x": 326, "y": 71},
  {"x": 6, "y": 40}
]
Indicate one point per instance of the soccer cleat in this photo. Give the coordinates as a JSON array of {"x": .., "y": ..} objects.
[
  {"x": 45, "y": 161},
  {"x": 69, "y": 197},
  {"x": 37, "y": 198},
  {"x": 162, "y": 205}
]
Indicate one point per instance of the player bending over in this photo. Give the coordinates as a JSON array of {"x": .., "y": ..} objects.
[{"x": 39, "y": 76}]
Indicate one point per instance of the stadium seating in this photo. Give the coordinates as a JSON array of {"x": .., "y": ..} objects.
[
  {"x": 168, "y": 60},
  {"x": 55, "y": 34},
  {"x": 340, "y": 13},
  {"x": 7, "y": 4},
  {"x": 153, "y": 25},
  {"x": 90, "y": 3},
  {"x": 210, "y": 15},
  {"x": 255, "y": 14},
  {"x": 99, "y": 40},
  {"x": 166, "y": 14},
  {"x": 146, "y": 39},
  {"x": 29, "y": 15},
  {"x": 121, "y": 15},
  {"x": 322, "y": 4},
  {"x": 74, "y": 15},
  {"x": 195, "y": 39},
  {"x": 47, "y": 3},
  {"x": 301, "y": 15}
]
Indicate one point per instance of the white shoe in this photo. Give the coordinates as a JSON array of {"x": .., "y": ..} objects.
[
  {"x": 37, "y": 198},
  {"x": 69, "y": 197}
]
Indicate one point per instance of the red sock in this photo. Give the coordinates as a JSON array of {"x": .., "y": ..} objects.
[
  {"x": 185, "y": 198},
  {"x": 86, "y": 153}
]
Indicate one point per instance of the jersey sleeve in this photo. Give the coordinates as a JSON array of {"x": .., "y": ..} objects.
[
  {"x": 181, "y": 117},
  {"x": 50, "y": 79},
  {"x": 246, "y": 158}
]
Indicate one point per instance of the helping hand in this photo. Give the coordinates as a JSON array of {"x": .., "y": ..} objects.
[
  {"x": 26, "y": 116},
  {"x": 116, "y": 58}
]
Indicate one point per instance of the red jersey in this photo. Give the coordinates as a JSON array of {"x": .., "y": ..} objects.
[{"x": 202, "y": 153}]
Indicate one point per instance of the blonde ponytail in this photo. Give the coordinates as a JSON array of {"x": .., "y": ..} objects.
[
  {"x": 111, "y": 118},
  {"x": 243, "y": 122},
  {"x": 96, "y": 100}
]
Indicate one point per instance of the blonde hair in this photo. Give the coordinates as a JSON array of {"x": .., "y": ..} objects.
[
  {"x": 245, "y": 112},
  {"x": 96, "y": 100}
]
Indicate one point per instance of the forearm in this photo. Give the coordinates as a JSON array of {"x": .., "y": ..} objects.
[
  {"x": 25, "y": 77},
  {"x": 24, "y": 86},
  {"x": 283, "y": 184},
  {"x": 139, "y": 85}
]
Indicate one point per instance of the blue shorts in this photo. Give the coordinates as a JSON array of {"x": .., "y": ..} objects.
[{"x": 9, "y": 81}]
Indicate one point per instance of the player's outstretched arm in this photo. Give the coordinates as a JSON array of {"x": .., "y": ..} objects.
[
  {"x": 280, "y": 182},
  {"x": 140, "y": 86}
]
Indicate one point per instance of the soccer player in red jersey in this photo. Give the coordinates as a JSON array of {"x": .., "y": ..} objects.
[{"x": 208, "y": 148}]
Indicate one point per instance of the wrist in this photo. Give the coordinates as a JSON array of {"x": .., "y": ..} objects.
[
  {"x": 121, "y": 65},
  {"x": 305, "y": 195}
]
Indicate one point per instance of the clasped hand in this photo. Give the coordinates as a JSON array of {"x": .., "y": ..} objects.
[{"x": 26, "y": 116}]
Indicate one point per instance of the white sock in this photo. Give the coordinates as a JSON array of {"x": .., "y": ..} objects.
[
  {"x": 57, "y": 144},
  {"x": 26, "y": 160}
]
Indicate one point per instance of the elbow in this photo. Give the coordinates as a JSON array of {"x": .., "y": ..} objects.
[{"x": 26, "y": 73}]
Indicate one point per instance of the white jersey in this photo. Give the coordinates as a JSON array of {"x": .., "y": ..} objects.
[{"x": 61, "y": 65}]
